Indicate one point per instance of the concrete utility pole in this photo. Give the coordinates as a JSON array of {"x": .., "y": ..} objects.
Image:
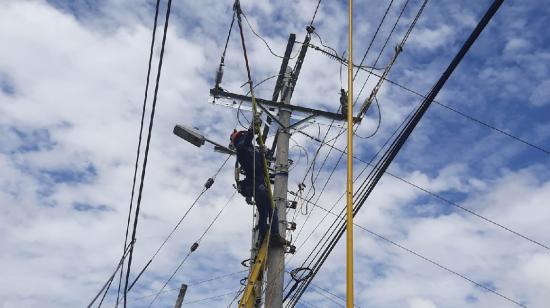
[
  {"x": 181, "y": 295},
  {"x": 276, "y": 256}
]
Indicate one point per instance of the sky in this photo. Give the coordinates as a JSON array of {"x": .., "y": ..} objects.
[{"x": 72, "y": 78}]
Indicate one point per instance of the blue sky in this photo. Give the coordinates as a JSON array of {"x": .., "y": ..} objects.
[{"x": 71, "y": 86}]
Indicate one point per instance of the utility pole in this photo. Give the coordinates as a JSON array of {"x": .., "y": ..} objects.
[
  {"x": 276, "y": 256},
  {"x": 251, "y": 296},
  {"x": 181, "y": 295}
]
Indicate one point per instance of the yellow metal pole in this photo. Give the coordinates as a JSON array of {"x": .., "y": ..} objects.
[{"x": 349, "y": 192}]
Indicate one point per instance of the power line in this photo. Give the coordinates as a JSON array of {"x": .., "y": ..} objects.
[
  {"x": 207, "y": 186},
  {"x": 263, "y": 40},
  {"x": 374, "y": 37},
  {"x": 461, "y": 113},
  {"x": 139, "y": 145},
  {"x": 208, "y": 298},
  {"x": 383, "y": 47},
  {"x": 375, "y": 175},
  {"x": 480, "y": 285},
  {"x": 192, "y": 283},
  {"x": 110, "y": 280},
  {"x": 471, "y": 118},
  {"x": 315, "y": 13},
  {"x": 438, "y": 196},
  {"x": 379, "y": 123},
  {"x": 193, "y": 248},
  {"x": 146, "y": 154}
]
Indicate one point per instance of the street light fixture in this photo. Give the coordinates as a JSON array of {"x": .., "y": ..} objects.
[{"x": 194, "y": 137}]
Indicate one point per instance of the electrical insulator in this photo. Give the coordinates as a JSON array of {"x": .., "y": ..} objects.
[
  {"x": 219, "y": 75},
  {"x": 209, "y": 183},
  {"x": 194, "y": 246}
]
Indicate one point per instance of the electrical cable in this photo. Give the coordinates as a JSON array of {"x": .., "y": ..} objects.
[
  {"x": 441, "y": 266},
  {"x": 438, "y": 196},
  {"x": 139, "y": 145},
  {"x": 263, "y": 40},
  {"x": 383, "y": 47},
  {"x": 207, "y": 186},
  {"x": 390, "y": 154},
  {"x": 374, "y": 37},
  {"x": 193, "y": 248},
  {"x": 469, "y": 117},
  {"x": 110, "y": 280},
  {"x": 193, "y": 283},
  {"x": 324, "y": 186},
  {"x": 146, "y": 154},
  {"x": 239, "y": 110},
  {"x": 377, "y": 126},
  {"x": 379, "y": 113},
  {"x": 302, "y": 150},
  {"x": 465, "y": 115},
  {"x": 227, "y": 40},
  {"x": 192, "y": 302},
  {"x": 315, "y": 13},
  {"x": 343, "y": 194}
]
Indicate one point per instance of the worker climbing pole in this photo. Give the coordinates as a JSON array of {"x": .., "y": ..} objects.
[{"x": 260, "y": 186}]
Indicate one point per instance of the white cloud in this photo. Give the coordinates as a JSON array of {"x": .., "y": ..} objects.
[
  {"x": 421, "y": 303},
  {"x": 74, "y": 112},
  {"x": 541, "y": 94}
]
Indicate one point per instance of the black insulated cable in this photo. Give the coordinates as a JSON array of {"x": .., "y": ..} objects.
[{"x": 146, "y": 154}]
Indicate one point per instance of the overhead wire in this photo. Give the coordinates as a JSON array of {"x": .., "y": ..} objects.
[
  {"x": 239, "y": 110},
  {"x": 110, "y": 279},
  {"x": 469, "y": 117},
  {"x": 341, "y": 196},
  {"x": 413, "y": 252},
  {"x": 193, "y": 248},
  {"x": 315, "y": 13},
  {"x": 206, "y": 186},
  {"x": 190, "y": 284},
  {"x": 146, "y": 154},
  {"x": 461, "y": 113},
  {"x": 384, "y": 47},
  {"x": 376, "y": 100},
  {"x": 192, "y": 302},
  {"x": 138, "y": 151},
  {"x": 264, "y": 40},
  {"x": 446, "y": 200},
  {"x": 379, "y": 123},
  {"x": 375, "y": 175},
  {"x": 375, "y": 65},
  {"x": 341, "y": 156},
  {"x": 342, "y": 62},
  {"x": 374, "y": 37}
]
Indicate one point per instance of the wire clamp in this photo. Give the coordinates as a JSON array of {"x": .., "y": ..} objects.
[
  {"x": 291, "y": 226},
  {"x": 292, "y": 205}
]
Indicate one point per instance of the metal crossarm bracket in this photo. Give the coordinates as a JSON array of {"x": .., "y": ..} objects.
[
  {"x": 302, "y": 121},
  {"x": 217, "y": 93}
]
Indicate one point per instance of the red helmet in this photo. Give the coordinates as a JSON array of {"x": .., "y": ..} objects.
[{"x": 236, "y": 135}]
